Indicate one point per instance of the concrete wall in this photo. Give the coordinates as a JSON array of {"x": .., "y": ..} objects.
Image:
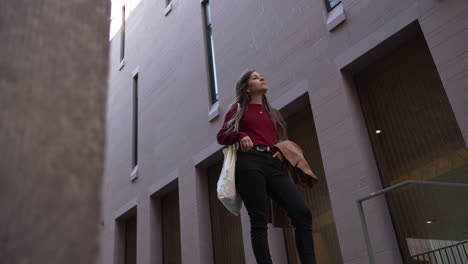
[
  {"x": 53, "y": 87},
  {"x": 288, "y": 42}
]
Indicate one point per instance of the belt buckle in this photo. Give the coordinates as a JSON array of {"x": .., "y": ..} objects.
[{"x": 262, "y": 148}]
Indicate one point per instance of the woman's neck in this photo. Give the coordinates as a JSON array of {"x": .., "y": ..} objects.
[{"x": 256, "y": 99}]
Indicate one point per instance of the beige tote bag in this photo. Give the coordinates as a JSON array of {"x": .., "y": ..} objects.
[{"x": 226, "y": 186}]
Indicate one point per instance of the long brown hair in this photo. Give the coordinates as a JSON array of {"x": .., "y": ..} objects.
[{"x": 243, "y": 98}]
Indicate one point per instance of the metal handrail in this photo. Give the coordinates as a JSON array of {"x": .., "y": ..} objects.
[
  {"x": 359, "y": 201},
  {"x": 462, "y": 243}
]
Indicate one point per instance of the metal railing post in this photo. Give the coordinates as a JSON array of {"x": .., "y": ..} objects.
[{"x": 366, "y": 233}]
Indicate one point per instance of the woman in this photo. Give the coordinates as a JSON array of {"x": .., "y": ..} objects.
[{"x": 259, "y": 171}]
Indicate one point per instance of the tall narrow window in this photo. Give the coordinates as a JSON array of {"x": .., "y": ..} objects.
[
  {"x": 122, "y": 35},
  {"x": 210, "y": 51},
  {"x": 332, "y": 4},
  {"x": 135, "y": 121}
]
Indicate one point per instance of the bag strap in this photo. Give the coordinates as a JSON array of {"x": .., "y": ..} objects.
[{"x": 236, "y": 125}]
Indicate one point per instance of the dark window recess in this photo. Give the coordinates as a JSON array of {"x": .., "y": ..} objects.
[
  {"x": 171, "y": 229},
  {"x": 415, "y": 136},
  {"x": 223, "y": 225},
  {"x": 130, "y": 240}
]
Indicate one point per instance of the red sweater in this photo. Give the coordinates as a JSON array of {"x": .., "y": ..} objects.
[{"x": 255, "y": 123}]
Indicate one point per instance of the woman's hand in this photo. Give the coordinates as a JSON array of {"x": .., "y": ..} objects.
[
  {"x": 246, "y": 144},
  {"x": 278, "y": 155}
]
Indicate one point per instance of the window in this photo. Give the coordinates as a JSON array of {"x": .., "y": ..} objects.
[
  {"x": 168, "y": 7},
  {"x": 135, "y": 122},
  {"x": 122, "y": 36},
  {"x": 210, "y": 51},
  {"x": 331, "y": 4}
]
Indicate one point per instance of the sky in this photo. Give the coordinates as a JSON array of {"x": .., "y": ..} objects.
[{"x": 116, "y": 14}]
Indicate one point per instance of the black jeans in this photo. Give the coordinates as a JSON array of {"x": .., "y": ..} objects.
[{"x": 259, "y": 174}]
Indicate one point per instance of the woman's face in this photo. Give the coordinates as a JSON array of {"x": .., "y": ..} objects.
[{"x": 256, "y": 83}]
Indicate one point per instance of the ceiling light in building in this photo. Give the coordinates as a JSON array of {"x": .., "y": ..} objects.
[
  {"x": 378, "y": 131},
  {"x": 429, "y": 222}
]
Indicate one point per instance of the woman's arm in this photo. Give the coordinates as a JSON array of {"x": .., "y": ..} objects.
[{"x": 229, "y": 138}]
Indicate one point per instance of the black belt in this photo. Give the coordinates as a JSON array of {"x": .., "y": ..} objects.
[{"x": 263, "y": 148}]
